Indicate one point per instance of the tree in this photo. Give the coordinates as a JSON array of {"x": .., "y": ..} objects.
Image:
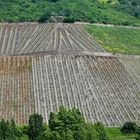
[
  {"x": 35, "y": 126},
  {"x": 66, "y": 120},
  {"x": 71, "y": 125},
  {"x": 8, "y": 130},
  {"x": 54, "y": 122},
  {"x": 3, "y": 129}
]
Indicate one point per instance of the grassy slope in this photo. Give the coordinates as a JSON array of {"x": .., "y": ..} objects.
[
  {"x": 115, "y": 133},
  {"x": 116, "y": 40}
]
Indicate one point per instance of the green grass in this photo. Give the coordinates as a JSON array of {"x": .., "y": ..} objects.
[
  {"x": 115, "y": 134},
  {"x": 116, "y": 40}
]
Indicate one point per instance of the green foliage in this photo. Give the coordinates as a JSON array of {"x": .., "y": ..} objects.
[
  {"x": 92, "y": 134},
  {"x": 131, "y": 7},
  {"x": 71, "y": 125},
  {"x": 138, "y": 138},
  {"x": 115, "y": 39},
  {"x": 110, "y": 11},
  {"x": 129, "y": 127},
  {"x": 64, "y": 125},
  {"x": 29, "y": 66},
  {"x": 35, "y": 127},
  {"x": 8, "y": 130},
  {"x": 101, "y": 131},
  {"x": 138, "y": 131},
  {"x": 67, "y": 122},
  {"x": 53, "y": 0}
]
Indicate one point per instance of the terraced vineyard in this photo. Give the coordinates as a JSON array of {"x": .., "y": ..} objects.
[
  {"x": 29, "y": 38},
  {"x": 61, "y": 64},
  {"x": 100, "y": 87}
]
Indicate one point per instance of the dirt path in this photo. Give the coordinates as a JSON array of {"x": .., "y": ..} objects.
[{"x": 107, "y": 25}]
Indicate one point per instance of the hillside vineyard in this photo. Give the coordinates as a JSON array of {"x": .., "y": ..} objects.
[
  {"x": 40, "y": 78},
  {"x": 29, "y": 38}
]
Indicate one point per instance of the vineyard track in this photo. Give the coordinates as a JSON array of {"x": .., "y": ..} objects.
[{"x": 30, "y": 38}]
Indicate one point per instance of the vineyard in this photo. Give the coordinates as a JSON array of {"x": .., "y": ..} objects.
[
  {"x": 29, "y": 38},
  {"x": 102, "y": 86},
  {"x": 16, "y": 95}
]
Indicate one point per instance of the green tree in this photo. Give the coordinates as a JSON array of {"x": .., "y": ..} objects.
[
  {"x": 8, "y": 130},
  {"x": 36, "y": 127},
  {"x": 70, "y": 125},
  {"x": 55, "y": 136},
  {"x": 101, "y": 132}
]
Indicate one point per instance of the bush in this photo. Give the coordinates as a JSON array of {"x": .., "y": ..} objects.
[
  {"x": 129, "y": 127},
  {"x": 69, "y": 19},
  {"x": 138, "y": 138},
  {"x": 101, "y": 131},
  {"x": 138, "y": 131}
]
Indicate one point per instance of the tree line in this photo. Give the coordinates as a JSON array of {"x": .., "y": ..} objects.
[
  {"x": 126, "y": 12},
  {"x": 64, "y": 125}
]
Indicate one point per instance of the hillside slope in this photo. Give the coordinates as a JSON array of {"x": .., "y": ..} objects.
[
  {"x": 104, "y": 89},
  {"x": 61, "y": 64}
]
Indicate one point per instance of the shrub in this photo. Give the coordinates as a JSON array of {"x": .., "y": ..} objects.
[
  {"x": 101, "y": 131},
  {"x": 138, "y": 131},
  {"x": 69, "y": 19},
  {"x": 138, "y": 138},
  {"x": 129, "y": 127}
]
